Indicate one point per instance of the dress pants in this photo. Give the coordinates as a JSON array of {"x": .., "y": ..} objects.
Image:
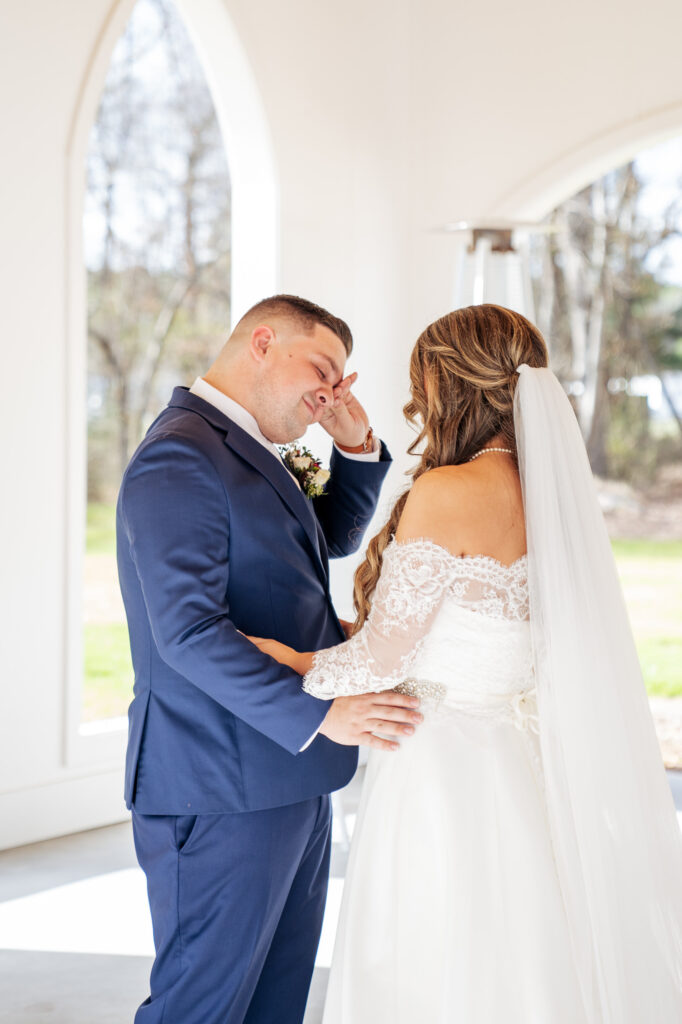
[{"x": 237, "y": 902}]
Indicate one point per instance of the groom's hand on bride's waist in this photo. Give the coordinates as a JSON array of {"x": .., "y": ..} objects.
[{"x": 355, "y": 720}]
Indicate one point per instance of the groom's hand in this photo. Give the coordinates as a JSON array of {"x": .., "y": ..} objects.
[
  {"x": 354, "y": 720},
  {"x": 345, "y": 419}
]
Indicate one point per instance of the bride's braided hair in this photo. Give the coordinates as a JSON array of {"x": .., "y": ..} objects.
[{"x": 462, "y": 381}]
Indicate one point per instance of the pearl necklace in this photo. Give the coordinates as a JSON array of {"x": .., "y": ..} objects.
[{"x": 509, "y": 451}]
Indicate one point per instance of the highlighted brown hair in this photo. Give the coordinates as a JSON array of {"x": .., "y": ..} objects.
[
  {"x": 462, "y": 382},
  {"x": 303, "y": 313}
]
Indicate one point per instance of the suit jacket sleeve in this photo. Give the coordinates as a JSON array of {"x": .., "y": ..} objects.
[
  {"x": 175, "y": 515},
  {"x": 350, "y": 500}
]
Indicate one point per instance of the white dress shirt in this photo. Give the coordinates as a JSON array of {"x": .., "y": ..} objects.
[{"x": 243, "y": 418}]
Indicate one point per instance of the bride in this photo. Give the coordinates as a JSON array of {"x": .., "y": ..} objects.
[{"x": 518, "y": 858}]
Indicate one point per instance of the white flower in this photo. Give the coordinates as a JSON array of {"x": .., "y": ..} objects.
[{"x": 306, "y": 468}]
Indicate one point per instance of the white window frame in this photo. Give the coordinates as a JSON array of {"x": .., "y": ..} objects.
[{"x": 255, "y": 242}]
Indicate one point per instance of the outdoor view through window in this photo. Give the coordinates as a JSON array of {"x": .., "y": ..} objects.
[
  {"x": 157, "y": 249},
  {"x": 608, "y": 290}
]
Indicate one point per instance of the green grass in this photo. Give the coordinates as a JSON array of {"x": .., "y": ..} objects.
[
  {"x": 100, "y": 529},
  {"x": 108, "y": 682},
  {"x": 661, "y": 661},
  {"x": 651, "y": 574},
  {"x": 107, "y": 668},
  {"x": 644, "y": 549}
]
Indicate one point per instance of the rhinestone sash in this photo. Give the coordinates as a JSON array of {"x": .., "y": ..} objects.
[{"x": 520, "y": 708}]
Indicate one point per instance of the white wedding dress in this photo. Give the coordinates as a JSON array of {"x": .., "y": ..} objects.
[
  {"x": 452, "y": 910},
  {"x": 519, "y": 859}
]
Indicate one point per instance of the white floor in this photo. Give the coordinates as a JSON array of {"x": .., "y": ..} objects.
[{"x": 75, "y": 937}]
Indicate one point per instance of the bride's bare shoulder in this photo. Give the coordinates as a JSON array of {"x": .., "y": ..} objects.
[
  {"x": 436, "y": 496},
  {"x": 468, "y": 509}
]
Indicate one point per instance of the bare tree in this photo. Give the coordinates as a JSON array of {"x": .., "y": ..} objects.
[
  {"x": 599, "y": 302},
  {"x": 159, "y": 197}
]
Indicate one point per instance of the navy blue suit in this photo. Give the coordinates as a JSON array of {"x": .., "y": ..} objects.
[{"x": 216, "y": 540}]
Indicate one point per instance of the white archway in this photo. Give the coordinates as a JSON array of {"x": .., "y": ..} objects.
[
  {"x": 533, "y": 198},
  {"x": 255, "y": 259},
  {"x": 254, "y": 272}
]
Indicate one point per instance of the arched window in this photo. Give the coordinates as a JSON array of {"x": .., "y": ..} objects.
[
  {"x": 157, "y": 250},
  {"x": 608, "y": 296},
  {"x": 175, "y": 249}
]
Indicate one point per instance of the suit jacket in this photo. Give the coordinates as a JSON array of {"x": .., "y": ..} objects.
[{"x": 214, "y": 540}]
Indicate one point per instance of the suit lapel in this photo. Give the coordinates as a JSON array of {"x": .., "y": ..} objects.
[
  {"x": 267, "y": 465},
  {"x": 277, "y": 476}
]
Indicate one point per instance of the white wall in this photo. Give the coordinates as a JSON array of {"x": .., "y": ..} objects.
[{"x": 386, "y": 120}]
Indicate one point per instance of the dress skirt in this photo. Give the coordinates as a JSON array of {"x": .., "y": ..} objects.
[{"x": 452, "y": 911}]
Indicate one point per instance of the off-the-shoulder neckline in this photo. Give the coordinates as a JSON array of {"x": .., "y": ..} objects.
[{"x": 460, "y": 558}]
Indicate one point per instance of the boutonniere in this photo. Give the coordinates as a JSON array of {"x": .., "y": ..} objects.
[{"x": 306, "y": 468}]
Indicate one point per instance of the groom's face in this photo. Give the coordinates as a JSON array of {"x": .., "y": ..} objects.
[{"x": 298, "y": 373}]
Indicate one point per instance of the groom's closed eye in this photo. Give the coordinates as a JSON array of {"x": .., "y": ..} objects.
[{"x": 333, "y": 374}]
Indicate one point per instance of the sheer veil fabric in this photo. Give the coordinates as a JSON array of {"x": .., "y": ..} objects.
[{"x": 613, "y": 826}]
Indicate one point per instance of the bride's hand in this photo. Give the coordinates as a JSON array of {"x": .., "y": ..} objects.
[
  {"x": 347, "y": 627},
  {"x": 300, "y": 661}
]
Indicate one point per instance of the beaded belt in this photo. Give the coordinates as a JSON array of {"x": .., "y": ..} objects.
[{"x": 519, "y": 707}]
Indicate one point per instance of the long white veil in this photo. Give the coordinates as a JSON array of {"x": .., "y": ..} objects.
[{"x": 613, "y": 825}]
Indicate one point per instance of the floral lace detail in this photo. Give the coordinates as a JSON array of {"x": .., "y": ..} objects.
[
  {"x": 413, "y": 580},
  {"x": 480, "y": 582},
  {"x": 350, "y": 669},
  {"x": 416, "y": 577},
  {"x": 492, "y": 588}
]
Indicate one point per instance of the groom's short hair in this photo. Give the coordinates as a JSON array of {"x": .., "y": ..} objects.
[{"x": 303, "y": 313}]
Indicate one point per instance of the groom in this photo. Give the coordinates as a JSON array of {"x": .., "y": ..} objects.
[{"x": 229, "y": 762}]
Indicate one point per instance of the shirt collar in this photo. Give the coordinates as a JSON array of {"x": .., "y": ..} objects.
[
  {"x": 233, "y": 410},
  {"x": 239, "y": 415}
]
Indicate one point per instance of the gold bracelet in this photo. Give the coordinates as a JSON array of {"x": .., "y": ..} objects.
[
  {"x": 368, "y": 443},
  {"x": 361, "y": 449}
]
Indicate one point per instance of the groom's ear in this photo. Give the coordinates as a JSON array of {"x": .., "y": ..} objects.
[{"x": 262, "y": 338}]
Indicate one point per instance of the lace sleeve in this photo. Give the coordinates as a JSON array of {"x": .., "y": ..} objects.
[{"x": 413, "y": 581}]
